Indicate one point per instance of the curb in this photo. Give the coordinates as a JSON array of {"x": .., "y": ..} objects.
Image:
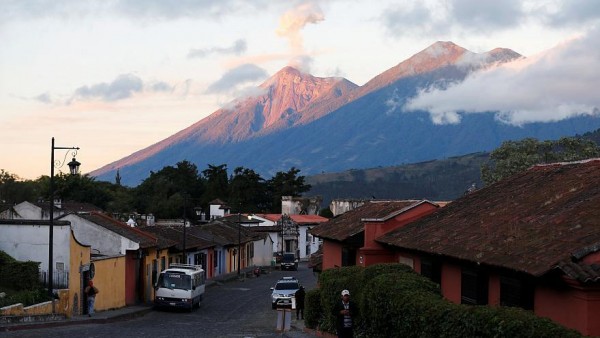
[{"x": 68, "y": 322}]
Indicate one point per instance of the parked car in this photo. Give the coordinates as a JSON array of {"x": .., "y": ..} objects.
[
  {"x": 283, "y": 292},
  {"x": 289, "y": 261}
]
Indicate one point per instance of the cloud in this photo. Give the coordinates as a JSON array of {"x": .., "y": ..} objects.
[
  {"x": 443, "y": 18},
  {"x": 435, "y": 17},
  {"x": 239, "y": 47},
  {"x": 235, "y": 77},
  {"x": 294, "y": 20},
  {"x": 140, "y": 9},
  {"x": 44, "y": 98},
  {"x": 124, "y": 86},
  {"x": 161, "y": 86},
  {"x": 557, "y": 84},
  {"x": 486, "y": 15},
  {"x": 571, "y": 13}
]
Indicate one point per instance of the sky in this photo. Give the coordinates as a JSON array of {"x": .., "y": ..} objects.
[{"x": 115, "y": 76}]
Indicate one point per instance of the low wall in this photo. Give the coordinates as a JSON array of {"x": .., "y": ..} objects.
[{"x": 61, "y": 307}]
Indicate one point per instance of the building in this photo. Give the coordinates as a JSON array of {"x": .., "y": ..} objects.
[
  {"x": 290, "y": 233},
  {"x": 531, "y": 240},
  {"x": 349, "y": 239}
]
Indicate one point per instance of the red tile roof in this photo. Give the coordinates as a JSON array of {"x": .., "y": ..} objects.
[
  {"x": 544, "y": 218},
  {"x": 351, "y": 223},
  {"x": 174, "y": 235},
  {"x": 144, "y": 239}
]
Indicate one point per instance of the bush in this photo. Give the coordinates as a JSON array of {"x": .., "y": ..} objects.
[
  {"x": 394, "y": 301},
  {"x": 26, "y": 297},
  {"x": 313, "y": 309},
  {"x": 20, "y": 281}
]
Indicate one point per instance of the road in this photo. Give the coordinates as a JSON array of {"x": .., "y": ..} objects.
[{"x": 233, "y": 309}]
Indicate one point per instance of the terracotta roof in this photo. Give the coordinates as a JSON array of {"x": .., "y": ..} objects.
[
  {"x": 144, "y": 239},
  {"x": 351, "y": 223},
  {"x": 530, "y": 222},
  {"x": 308, "y": 219},
  {"x": 174, "y": 234},
  {"x": 581, "y": 271},
  {"x": 229, "y": 231}
]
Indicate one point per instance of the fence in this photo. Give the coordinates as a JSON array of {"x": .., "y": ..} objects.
[{"x": 60, "y": 279}]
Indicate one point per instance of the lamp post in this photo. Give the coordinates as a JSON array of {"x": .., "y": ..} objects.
[
  {"x": 74, "y": 169},
  {"x": 184, "y": 259},
  {"x": 282, "y": 216},
  {"x": 239, "y": 242}
]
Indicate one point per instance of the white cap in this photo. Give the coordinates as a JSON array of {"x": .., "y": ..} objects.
[{"x": 345, "y": 292}]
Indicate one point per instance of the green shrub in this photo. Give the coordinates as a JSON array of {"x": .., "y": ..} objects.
[
  {"x": 313, "y": 309},
  {"x": 331, "y": 283},
  {"x": 26, "y": 297},
  {"x": 394, "y": 301}
]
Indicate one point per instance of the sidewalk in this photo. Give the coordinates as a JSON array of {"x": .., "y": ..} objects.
[
  {"x": 125, "y": 313},
  {"x": 103, "y": 317}
]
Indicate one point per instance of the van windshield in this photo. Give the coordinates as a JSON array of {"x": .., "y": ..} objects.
[{"x": 174, "y": 281}]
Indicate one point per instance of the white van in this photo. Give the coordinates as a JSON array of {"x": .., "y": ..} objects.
[{"x": 180, "y": 286}]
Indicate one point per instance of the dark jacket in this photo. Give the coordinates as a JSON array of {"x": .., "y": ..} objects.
[
  {"x": 339, "y": 322},
  {"x": 300, "y": 295}
]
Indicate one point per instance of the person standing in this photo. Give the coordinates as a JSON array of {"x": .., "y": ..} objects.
[
  {"x": 345, "y": 312},
  {"x": 300, "y": 295},
  {"x": 91, "y": 291}
]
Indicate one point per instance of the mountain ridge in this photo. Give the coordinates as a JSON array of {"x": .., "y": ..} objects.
[{"x": 321, "y": 124}]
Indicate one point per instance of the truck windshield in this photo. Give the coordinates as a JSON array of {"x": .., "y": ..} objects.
[
  {"x": 174, "y": 281},
  {"x": 289, "y": 258}
]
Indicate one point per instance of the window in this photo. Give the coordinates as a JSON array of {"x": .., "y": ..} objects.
[
  {"x": 200, "y": 259},
  {"x": 163, "y": 263},
  {"x": 154, "y": 271},
  {"x": 431, "y": 269},
  {"x": 474, "y": 287},
  {"x": 516, "y": 292},
  {"x": 348, "y": 257}
]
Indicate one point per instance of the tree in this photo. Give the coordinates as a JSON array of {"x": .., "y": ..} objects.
[
  {"x": 164, "y": 192},
  {"x": 13, "y": 190},
  {"x": 247, "y": 191},
  {"x": 515, "y": 156},
  {"x": 285, "y": 184},
  {"x": 217, "y": 184}
]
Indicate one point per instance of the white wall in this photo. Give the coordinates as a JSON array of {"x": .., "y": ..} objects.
[
  {"x": 30, "y": 243},
  {"x": 263, "y": 253},
  {"x": 102, "y": 240}
]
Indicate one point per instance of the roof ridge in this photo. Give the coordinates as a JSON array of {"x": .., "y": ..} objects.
[{"x": 124, "y": 225}]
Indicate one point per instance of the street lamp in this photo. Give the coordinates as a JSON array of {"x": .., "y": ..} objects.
[
  {"x": 184, "y": 259},
  {"x": 74, "y": 170},
  {"x": 239, "y": 242}
]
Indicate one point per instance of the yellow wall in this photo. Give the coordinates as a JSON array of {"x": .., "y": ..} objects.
[
  {"x": 79, "y": 256},
  {"x": 110, "y": 281},
  {"x": 154, "y": 255}
]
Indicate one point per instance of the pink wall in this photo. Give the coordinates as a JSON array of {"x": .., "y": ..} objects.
[
  {"x": 574, "y": 308},
  {"x": 332, "y": 254},
  {"x": 373, "y": 230},
  {"x": 494, "y": 290},
  {"x": 367, "y": 257},
  {"x": 130, "y": 278},
  {"x": 451, "y": 276}
]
